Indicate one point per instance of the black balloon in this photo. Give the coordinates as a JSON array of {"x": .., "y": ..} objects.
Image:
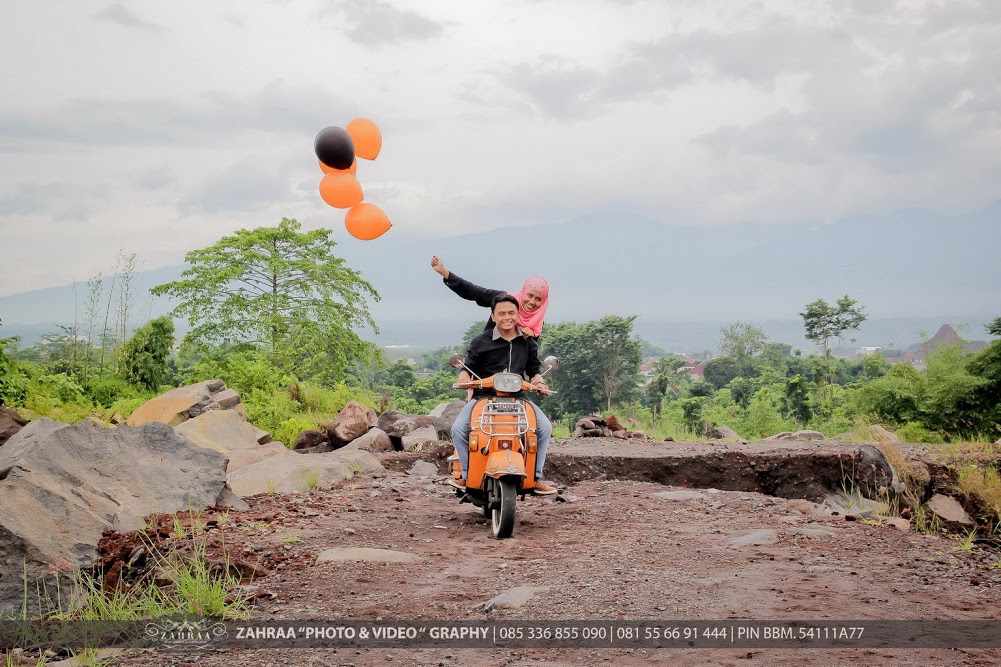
[{"x": 334, "y": 148}]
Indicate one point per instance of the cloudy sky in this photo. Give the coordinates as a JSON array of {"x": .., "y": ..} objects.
[{"x": 157, "y": 127}]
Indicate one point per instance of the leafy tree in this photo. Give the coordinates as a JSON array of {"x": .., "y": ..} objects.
[
  {"x": 666, "y": 379},
  {"x": 599, "y": 364},
  {"x": 994, "y": 327},
  {"x": 701, "y": 388},
  {"x": 894, "y": 398},
  {"x": 825, "y": 322},
  {"x": 281, "y": 288},
  {"x": 741, "y": 341},
  {"x": 986, "y": 366},
  {"x": 950, "y": 398},
  {"x": 474, "y": 330},
  {"x": 144, "y": 361},
  {"x": 12, "y": 385},
  {"x": 742, "y": 390},
  {"x": 402, "y": 375},
  {"x": 720, "y": 371},
  {"x": 797, "y": 400}
]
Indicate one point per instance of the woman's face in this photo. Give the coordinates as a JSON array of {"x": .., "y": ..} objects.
[{"x": 531, "y": 301}]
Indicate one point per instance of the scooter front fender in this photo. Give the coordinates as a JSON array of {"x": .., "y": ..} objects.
[{"x": 504, "y": 462}]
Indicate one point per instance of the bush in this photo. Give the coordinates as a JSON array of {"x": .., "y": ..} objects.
[{"x": 105, "y": 391}]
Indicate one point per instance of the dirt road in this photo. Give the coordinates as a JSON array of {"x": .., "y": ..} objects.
[{"x": 603, "y": 550}]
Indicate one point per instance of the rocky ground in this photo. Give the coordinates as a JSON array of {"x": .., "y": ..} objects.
[{"x": 604, "y": 549}]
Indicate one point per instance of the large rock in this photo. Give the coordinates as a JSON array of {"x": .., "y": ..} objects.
[
  {"x": 798, "y": 435},
  {"x": 179, "y": 405},
  {"x": 310, "y": 439},
  {"x": 398, "y": 424},
  {"x": 10, "y": 424},
  {"x": 375, "y": 440},
  {"x": 291, "y": 472},
  {"x": 222, "y": 430},
  {"x": 723, "y": 433},
  {"x": 62, "y": 486},
  {"x": 248, "y": 457},
  {"x": 949, "y": 511},
  {"x": 443, "y": 417},
  {"x": 418, "y": 437},
  {"x": 351, "y": 422}
]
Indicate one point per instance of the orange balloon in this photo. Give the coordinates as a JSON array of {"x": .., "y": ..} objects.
[
  {"x": 353, "y": 168},
  {"x": 366, "y": 137},
  {"x": 366, "y": 222},
  {"x": 341, "y": 189}
]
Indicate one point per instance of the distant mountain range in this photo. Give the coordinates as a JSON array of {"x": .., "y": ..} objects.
[{"x": 912, "y": 272}]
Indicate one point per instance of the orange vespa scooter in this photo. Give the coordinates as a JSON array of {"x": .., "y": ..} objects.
[{"x": 502, "y": 445}]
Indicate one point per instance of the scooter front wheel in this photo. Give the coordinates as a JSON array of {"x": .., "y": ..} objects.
[{"x": 502, "y": 516}]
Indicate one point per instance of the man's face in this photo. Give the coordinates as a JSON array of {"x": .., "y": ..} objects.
[
  {"x": 531, "y": 301},
  {"x": 505, "y": 316}
]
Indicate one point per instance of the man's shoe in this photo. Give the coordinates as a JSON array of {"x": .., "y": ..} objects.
[
  {"x": 543, "y": 489},
  {"x": 460, "y": 484}
]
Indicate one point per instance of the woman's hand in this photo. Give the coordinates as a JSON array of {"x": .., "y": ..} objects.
[
  {"x": 437, "y": 265},
  {"x": 527, "y": 332}
]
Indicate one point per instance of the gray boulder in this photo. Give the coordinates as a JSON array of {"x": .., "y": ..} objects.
[
  {"x": 443, "y": 421},
  {"x": 351, "y": 422},
  {"x": 874, "y": 433},
  {"x": 10, "y": 423},
  {"x": 311, "y": 439},
  {"x": 62, "y": 486},
  {"x": 949, "y": 511},
  {"x": 398, "y": 424},
  {"x": 222, "y": 430},
  {"x": 723, "y": 433}
]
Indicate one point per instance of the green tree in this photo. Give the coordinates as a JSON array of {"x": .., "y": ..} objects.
[
  {"x": 825, "y": 322},
  {"x": 474, "y": 330},
  {"x": 599, "y": 364},
  {"x": 281, "y": 288},
  {"x": 402, "y": 375},
  {"x": 741, "y": 341},
  {"x": 144, "y": 358},
  {"x": 12, "y": 384}
]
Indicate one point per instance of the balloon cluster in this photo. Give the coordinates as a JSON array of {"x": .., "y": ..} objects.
[{"x": 336, "y": 149}]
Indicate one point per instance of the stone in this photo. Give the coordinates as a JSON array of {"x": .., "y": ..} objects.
[
  {"x": 443, "y": 422},
  {"x": 807, "y": 435},
  {"x": 290, "y": 472},
  {"x": 419, "y": 437},
  {"x": 811, "y": 531},
  {"x": 903, "y": 525},
  {"x": 222, "y": 430},
  {"x": 351, "y": 422},
  {"x": 375, "y": 440},
  {"x": 247, "y": 457},
  {"x": 723, "y": 433},
  {"x": 511, "y": 598},
  {"x": 10, "y": 423},
  {"x": 779, "y": 436},
  {"x": 424, "y": 469},
  {"x": 310, "y": 439},
  {"x": 398, "y": 424},
  {"x": 365, "y": 554},
  {"x": 227, "y": 398},
  {"x": 175, "y": 406},
  {"x": 948, "y": 510},
  {"x": 752, "y": 538},
  {"x": 94, "y": 421},
  {"x": 62, "y": 486}
]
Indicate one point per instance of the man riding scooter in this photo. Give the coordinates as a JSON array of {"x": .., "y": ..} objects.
[{"x": 497, "y": 350}]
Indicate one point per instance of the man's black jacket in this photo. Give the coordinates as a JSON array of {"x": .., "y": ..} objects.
[{"x": 489, "y": 353}]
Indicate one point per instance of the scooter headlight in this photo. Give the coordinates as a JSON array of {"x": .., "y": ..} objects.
[{"x": 507, "y": 382}]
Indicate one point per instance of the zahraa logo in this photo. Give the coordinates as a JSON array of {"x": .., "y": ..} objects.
[{"x": 186, "y": 634}]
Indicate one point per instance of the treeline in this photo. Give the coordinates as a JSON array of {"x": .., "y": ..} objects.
[{"x": 275, "y": 314}]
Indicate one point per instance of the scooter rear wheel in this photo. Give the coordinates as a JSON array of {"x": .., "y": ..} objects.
[{"x": 502, "y": 518}]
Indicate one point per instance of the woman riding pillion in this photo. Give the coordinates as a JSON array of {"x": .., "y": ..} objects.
[
  {"x": 503, "y": 349},
  {"x": 533, "y": 298}
]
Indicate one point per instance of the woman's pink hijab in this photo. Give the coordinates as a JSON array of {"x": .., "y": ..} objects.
[{"x": 534, "y": 320}]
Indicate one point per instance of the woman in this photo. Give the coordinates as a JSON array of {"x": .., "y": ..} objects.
[{"x": 533, "y": 298}]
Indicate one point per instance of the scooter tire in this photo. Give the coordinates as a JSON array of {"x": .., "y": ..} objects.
[{"x": 502, "y": 518}]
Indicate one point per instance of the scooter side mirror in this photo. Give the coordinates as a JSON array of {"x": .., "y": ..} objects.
[
  {"x": 456, "y": 360},
  {"x": 550, "y": 363}
]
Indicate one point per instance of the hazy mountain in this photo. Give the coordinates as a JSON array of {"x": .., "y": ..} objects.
[{"x": 912, "y": 272}]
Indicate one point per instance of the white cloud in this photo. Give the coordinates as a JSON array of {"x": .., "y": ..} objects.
[{"x": 160, "y": 127}]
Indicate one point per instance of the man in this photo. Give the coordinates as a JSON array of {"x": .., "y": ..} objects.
[{"x": 503, "y": 349}]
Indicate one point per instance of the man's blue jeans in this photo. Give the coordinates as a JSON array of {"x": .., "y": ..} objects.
[{"x": 460, "y": 436}]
